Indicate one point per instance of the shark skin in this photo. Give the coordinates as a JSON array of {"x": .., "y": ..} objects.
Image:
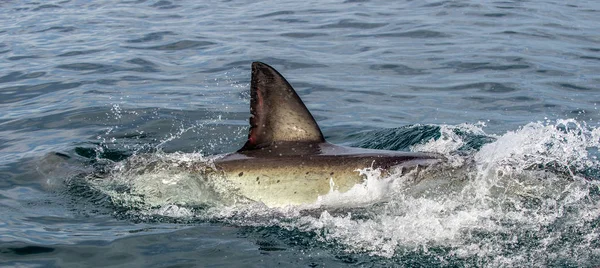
[{"x": 286, "y": 160}]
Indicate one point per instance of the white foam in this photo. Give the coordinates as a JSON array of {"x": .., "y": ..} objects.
[
  {"x": 486, "y": 202},
  {"x": 373, "y": 189},
  {"x": 449, "y": 142},
  {"x": 172, "y": 211},
  {"x": 543, "y": 143},
  {"x": 496, "y": 201}
]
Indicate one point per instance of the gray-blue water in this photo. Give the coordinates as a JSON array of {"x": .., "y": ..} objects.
[{"x": 506, "y": 90}]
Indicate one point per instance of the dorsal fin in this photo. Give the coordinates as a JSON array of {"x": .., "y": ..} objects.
[{"x": 278, "y": 114}]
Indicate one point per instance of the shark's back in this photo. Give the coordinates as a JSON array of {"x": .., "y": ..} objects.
[{"x": 286, "y": 160}]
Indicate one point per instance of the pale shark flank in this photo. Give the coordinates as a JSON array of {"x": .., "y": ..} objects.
[{"x": 286, "y": 160}]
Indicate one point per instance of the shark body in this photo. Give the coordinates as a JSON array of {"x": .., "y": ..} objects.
[{"x": 286, "y": 160}]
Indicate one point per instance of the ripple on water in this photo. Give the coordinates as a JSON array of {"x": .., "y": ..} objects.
[
  {"x": 61, "y": 29},
  {"x": 303, "y": 34},
  {"x": 352, "y": 24},
  {"x": 467, "y": 67},
  {"x": 178, "y": 45},
  {"x": 12, "y": 94},
  {"x": 79, "y": 52},
  {"x": 572, "y": 87},
  {"x": 398, "y": 69},
  {"x": 275, "y": 14},
  {"x": 18, "y": 75},
  {"x": 15, "y": 58},
  {"x": 407, "y": 34},
  {"x": 491, "y": 87},
  {"x": 145, "y": 66},
  {"x": 155, "y": 36}
]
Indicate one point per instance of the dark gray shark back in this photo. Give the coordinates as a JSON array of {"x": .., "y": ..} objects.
[
  {"x": 282, "y": 125},
  {"x": 287, "y": 161}
]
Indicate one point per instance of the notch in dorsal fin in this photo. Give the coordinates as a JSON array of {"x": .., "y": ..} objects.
[{"x": 278, "y": 114}]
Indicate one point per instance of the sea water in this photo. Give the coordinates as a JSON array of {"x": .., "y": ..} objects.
[{"x": 105, "y": 106}]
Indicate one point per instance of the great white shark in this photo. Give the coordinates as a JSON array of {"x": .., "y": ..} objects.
[{"x": 286, "y": 160}]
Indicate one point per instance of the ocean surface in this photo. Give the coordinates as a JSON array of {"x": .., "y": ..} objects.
[{"x": 104, "y": 105}]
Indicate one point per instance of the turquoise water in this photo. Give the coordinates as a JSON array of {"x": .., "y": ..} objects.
[{"x": 506, "y": 90}]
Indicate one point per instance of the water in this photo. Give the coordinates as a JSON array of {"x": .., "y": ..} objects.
[{"x": 506, "y": 90}]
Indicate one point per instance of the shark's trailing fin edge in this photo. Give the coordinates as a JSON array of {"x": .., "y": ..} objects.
[{"x": 278, "y": 113}]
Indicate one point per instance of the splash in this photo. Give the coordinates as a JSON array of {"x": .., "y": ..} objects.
[
  {"x": 163, "y": 183},
  {"x": 528, "y": 196},
  {"x": 522, "y": 198},
  {"x": 563, "y": 146},
  {"x": 374, "y": 189}
]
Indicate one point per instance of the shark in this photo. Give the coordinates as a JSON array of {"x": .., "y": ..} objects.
[{"x": 287, "y": 161}]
